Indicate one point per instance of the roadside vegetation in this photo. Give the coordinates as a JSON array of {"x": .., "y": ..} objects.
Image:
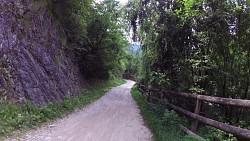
[
  {"x": 163, "y": 124},
  {"x": 195, "y": 46},
  {"x": 19, "y": 118}
]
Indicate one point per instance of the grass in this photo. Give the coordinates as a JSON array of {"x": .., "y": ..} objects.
[
  {"x": 16, "y": 118},
  {"x": 213, "y": 134},
  {"x": 162, "y": 125}
]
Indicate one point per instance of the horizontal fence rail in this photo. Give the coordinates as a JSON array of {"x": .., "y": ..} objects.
[
  {"x": 237, "y": 131},
  {"x": 211, "y": 99},
  {"x": 223, "y": 126}
]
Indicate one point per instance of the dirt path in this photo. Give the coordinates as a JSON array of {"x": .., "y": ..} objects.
[{"x": 114, "y": 117}]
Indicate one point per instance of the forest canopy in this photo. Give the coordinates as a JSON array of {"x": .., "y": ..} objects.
[
  {"x": 195, "y": 46},
  {"x": 95, "y": 30}
]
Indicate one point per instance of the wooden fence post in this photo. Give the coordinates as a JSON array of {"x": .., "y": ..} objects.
[{"x": 195, "y": 122}]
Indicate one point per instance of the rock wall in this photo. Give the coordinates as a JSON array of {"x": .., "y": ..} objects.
[{"x": 34, "y": 64}]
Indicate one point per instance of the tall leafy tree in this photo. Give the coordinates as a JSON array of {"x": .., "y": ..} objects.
[
  {"x": 197, "y": 46},
  {"x": 95, "y": 31}
]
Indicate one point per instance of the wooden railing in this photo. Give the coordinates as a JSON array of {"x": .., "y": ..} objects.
[{"x": 199, "y": 99}]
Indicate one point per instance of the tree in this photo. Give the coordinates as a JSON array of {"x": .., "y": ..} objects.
[
  {"x": 199, "y": 46},
  {"x": 95, "y": 30}
]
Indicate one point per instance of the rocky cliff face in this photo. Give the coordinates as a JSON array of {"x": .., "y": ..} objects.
[{"x": 33, "y": 62}]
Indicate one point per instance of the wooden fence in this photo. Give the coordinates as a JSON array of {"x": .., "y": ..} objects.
[{"x": 199, "y": 99}]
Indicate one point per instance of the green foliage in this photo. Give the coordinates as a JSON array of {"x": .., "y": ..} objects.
[
  {"x": 199, "y": 46},
  {"x": 189, "y": 138},
  {"x": 21, "y": 117},
  {"x": 212, "y": 134},
  {"x": 163, "y": 126},
  {"x": 95, "y": 33},
  {"x": 157, "y": 79},
  {"x": 171, "y": 118},
  {"x": 132, "y": 62}
]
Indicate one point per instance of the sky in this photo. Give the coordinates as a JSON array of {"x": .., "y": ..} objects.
[{"x": 121, "y": 1}]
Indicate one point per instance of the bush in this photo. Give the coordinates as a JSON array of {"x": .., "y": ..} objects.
[
  {"x": 163, "y": 126},
  {"x": 171, "y": 118}
]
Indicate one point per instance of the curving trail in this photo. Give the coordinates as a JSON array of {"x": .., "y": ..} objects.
[{"x": 114, "y": 117}]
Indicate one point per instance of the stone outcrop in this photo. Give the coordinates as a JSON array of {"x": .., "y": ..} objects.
[{"x": 34, "y": 64}]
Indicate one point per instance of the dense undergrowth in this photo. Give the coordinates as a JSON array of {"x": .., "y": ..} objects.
[
  {"x": 162, "y": 125},
  {"x": 20, "y": 118},
  {"x": 213, "y": 134}
]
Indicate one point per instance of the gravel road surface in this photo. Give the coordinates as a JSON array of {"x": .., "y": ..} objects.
[{"x": 114, "y": 117}]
